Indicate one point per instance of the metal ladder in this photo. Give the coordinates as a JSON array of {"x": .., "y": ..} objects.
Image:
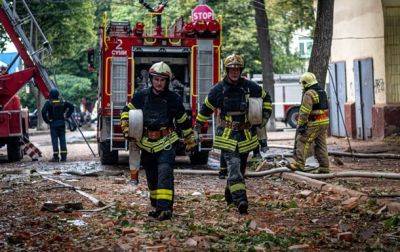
[
  {"x": 204, "y": 81},
  {"x": 119, "y": 91},
  {"x": 45, "y": 48}
]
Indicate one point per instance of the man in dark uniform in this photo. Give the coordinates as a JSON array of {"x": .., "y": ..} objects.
[
  {"x": 235, "y": 136},
  {"x": 54, "y": 112},
  {"x": 163, "y": 112}
]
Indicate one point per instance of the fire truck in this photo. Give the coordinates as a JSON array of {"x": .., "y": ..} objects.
[
  {"x": 18, "y": 21},
  {"x": 287, "y": 97},
  {"x": 191, "y": 48}
]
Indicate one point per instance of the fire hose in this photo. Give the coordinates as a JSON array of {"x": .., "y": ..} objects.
[
  {"x": 344, "y": 174},
  {"x": 346, "y": 154}
]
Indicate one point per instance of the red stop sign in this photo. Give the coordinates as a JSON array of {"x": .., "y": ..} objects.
[{"x": 202, "y": 12}]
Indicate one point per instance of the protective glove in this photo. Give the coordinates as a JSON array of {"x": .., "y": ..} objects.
[
  {"x": 198, "y": 125},
  {"x": 264, "y": 145},
  {"x": 190, "y": 143},
  {"x": 125, "y": 128},
  {"x": 302, "y": 129}
]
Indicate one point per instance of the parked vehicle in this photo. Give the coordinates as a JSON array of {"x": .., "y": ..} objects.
[
  {"x": 287, "y": 96},
  {"x": 13, "y": 119},
  {"x": 191, "y": 48}
]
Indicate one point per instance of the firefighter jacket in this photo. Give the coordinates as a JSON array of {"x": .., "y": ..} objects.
[
  {"x": 314, "y": 107},
  {"x": 160, "y": 112},
  {"x": 232, "y": 101},
  {"x": 55, "y": 111}
]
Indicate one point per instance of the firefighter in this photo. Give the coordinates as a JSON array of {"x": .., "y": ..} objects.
[
  {"x": 312, "y": 125},
  {"x": 163, "y": 112},
  {"x": 235, "y": 137},
  {"x": 55, "y": 112}
]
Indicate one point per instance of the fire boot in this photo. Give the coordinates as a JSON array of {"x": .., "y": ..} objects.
[
  {"x": 165, "y": 215},
  {"x": 134, "y": 180},
  {"x": 55, "y": 158},
  {"x": 228, "y": 196},
  {"x": 63, "y": 157},
  {"x": 222, "y": 173},
  {"x": 154, "y": 213},
  {"x": 242, "y": 207}
]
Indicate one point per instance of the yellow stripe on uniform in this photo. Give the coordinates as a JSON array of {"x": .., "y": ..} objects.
[
  {"x": 227, "y": 132},
  {"x": 201, "y": 118},
  {"x": 130, "y": 106},
  {"x": 159, "y": 194},
  {"x": 267, "y": 105},
  {"x": 182, "y": 119},
  {"x": 318, "y": 123},
  {"x": 159, "y": 145},
  {"x": 208, "y": 104},
  {"x": 187, "y": 132},
  {"x": 247, "y": 134},
  {"x": 125, "y": 115},
  {"x": 237, "y": 187},
  {"x": 304, "y": 109},
  {"x": 263, "y": 94}
]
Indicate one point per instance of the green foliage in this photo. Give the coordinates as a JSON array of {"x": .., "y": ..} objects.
[
  {"x": 27, "y": 100},
  {"x": 393, "y": 222},
  {"x": 240, "y": 34},
  {"x": 3, "y": 38},
  {"x": 73, "y": 88},
  {"x": 68, "y": 25},
  {"x": 71, "y": 26}
]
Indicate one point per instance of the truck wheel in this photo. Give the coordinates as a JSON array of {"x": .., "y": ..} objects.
[
  {"x": 199, "y": 158},
  {"x": 14, "y": 150},
  {"x": 292, "y": 116},
  {"x": 107, "y": 157}
]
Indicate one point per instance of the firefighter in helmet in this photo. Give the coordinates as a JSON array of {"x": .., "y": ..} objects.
[
  {"x": 55, "y": 112},
  {"x": 235, "y": 136},
  {"x": 312, "y": 125},
  {"x": 163, "y": 112}
]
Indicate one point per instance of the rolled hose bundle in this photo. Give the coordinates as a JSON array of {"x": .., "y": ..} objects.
[{"x": 136, "y": 124}]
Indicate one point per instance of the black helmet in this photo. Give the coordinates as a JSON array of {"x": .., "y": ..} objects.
[{"x": 54, "y": 94}]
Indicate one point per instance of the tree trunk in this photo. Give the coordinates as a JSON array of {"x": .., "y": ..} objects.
[
  {"x": 321, "y": 50},
  {"x": 264, "y": 43}
]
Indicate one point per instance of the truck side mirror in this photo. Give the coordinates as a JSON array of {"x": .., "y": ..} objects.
[{"x": 90, "y": 56}]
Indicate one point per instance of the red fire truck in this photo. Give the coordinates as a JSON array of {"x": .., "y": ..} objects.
[
  {"x": 191, "y": 48},
  {"x": 13, "y": 120}
]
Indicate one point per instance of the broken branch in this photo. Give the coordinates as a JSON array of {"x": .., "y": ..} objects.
[{"x": 93, "y": 199}]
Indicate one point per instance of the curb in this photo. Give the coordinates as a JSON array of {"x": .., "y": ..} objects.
[{"x": 39, "y": 133}]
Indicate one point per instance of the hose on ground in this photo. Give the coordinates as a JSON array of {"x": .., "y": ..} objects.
[
  {"x": 346, "y": 154},
  {"x": 344, "y": 174}
]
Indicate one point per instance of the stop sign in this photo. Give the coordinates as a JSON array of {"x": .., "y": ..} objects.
[{"x": 202, "y": 12}]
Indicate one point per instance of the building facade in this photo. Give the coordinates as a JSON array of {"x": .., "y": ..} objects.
[{"x": 364, "y": 74}]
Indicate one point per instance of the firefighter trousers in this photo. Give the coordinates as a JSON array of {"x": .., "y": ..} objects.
[
  {"x": 57, "y": 134},
  {"x": 159, "y": 169},
  {"x": 235, "y": 191},
  {"x": 304, "y": 142}
]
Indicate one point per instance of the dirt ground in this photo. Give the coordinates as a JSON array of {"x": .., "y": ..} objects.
[{"x": 282, "y": 214}]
